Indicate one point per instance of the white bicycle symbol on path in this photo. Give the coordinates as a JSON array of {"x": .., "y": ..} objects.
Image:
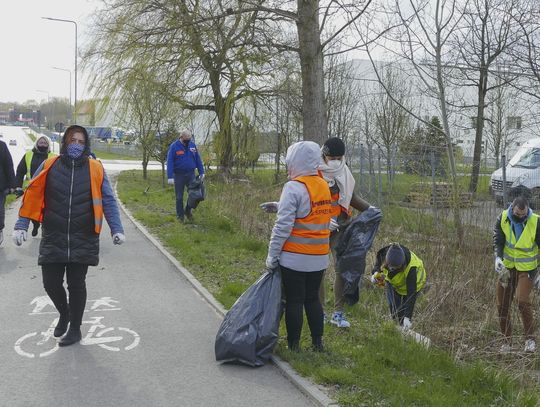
[{"x": 42, "y": 344}]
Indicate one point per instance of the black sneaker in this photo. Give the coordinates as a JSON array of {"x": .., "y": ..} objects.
[
  {"x": 189, "y": 216},
  {"x": 73, "y": 336}
]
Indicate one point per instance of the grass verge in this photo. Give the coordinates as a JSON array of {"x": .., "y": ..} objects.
[{"x": 369, "y": 365}]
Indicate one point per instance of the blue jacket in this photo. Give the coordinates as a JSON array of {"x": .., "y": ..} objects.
[{"x": 183, "y": 159}]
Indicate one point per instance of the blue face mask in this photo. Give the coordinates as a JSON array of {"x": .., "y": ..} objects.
[{"x": 75, "y": 150}]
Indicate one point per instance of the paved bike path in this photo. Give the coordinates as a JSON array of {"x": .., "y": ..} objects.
[{"x": 136, "y": 288}]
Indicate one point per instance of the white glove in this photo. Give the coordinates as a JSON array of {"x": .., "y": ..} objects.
[
  {"x": 19, "y": 236},
  {"x": 170, "y": 181},
  {"x": 499, "y": 265},
  {"x": 118, "y": 238},
  {"x": 334, "y": 226},
  {"x": 407, "y": 324},
  {"x": 201, "y": 177},
  {"x": 373, "y": 279},
  {"x": 272, "y": 262},
  {"x": 269, "y": 207},
  {"x": 536, "y": 282}
]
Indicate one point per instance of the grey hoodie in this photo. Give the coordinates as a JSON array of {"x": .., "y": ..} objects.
[{"x": 303, "y": 158}]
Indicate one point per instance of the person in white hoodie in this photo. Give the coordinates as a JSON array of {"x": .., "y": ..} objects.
[{"x": 300, "y": 242}]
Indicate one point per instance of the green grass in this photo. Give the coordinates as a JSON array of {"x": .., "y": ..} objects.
[
  {"x": 104, "y": 155},
  {"x": 369, "y": 365}
]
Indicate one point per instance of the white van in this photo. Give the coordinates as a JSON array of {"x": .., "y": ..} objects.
[{"x": 522, "y": 175}]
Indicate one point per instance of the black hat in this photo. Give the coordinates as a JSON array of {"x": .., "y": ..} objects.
[
  {"x": 334, "y": 147},
  {"x": 395, "y": 257}
]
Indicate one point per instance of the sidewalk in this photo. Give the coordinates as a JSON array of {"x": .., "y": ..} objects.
[{"x": 149, "y": 337}]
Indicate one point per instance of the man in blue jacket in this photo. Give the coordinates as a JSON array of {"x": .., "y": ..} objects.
[{"x": 182, "y": 159}]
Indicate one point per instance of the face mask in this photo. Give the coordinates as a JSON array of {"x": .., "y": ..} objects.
[
  {"x": 334, "y": 164},
  {"x": 75, "y": 150},
  {"x": 519, "y": 220},
  {"x": 43, "y": 149}
]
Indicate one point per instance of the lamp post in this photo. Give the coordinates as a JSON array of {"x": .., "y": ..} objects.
[
  {"x": 67, "y": 70},
  {"x": 72, "y": 22}
]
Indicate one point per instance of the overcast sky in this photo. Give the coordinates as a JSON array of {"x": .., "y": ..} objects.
[{"x": 31, "y": 46}]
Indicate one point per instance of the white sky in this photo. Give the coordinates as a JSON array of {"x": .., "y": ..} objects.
[{"x": 31, "y": 46}]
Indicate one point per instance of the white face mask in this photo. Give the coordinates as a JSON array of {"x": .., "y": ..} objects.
[{"x": 334, "y": 164}]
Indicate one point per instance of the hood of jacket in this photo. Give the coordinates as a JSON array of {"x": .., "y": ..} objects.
[
  {"x": 46, "y": 138},
  {"x": 303, "y": 158}
]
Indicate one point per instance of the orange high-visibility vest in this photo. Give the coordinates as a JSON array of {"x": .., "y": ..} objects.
[
  {"x": 310, "y": 235},
  {"x": 33, "y": 201},
  {"x": 337, "y": 209}
]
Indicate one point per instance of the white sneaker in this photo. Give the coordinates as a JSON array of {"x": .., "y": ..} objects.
[
  {"x": 530, "y": 345},
  {"x": 1, "y": 236},
  {"x": 339, "y": 320},
  {"x": 505, "y": 348}
]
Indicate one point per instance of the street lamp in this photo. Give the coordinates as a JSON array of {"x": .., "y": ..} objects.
[
  {"x": 67, "y": 70},
  {"x": 73, "y": 22}
]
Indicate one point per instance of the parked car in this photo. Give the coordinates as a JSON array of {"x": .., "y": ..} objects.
[
  {"x": 522, "y": 175},
  {"x": 12, "y": 142}
]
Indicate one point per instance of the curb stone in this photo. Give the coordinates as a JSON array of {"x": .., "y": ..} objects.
[{"x": 307, "y": 387}]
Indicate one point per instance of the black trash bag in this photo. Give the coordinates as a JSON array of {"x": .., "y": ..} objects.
[
  {"x": 351, "y": 250},
  {"x": 250, "y": 329},
  {"x": 196, "y": 192}
]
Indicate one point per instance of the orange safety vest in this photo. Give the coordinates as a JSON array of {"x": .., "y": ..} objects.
[
  {"x": 310, "y": 235},
  {"x": 337, "y": 209},
  {"x": 33, "y": 201}
]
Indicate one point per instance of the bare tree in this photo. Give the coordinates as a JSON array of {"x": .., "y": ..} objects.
[{"x": 489, "y": 30}]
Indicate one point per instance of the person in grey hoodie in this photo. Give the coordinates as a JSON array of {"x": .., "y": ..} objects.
[{"x": 300, "y": 242}]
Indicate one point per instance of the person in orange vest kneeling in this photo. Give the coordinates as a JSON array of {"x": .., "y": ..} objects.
[
  {"x": 300, "y": 242},
  {"x": 69, "y": 195}
]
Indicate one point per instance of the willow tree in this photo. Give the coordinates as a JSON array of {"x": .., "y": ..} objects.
[{"x": 204, "y": 55}]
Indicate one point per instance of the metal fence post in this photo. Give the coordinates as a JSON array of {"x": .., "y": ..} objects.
[
  {"x": 360, "y": 181},
  {"x": 503, "y": 160},
  {"x": 379, "y": 189},
  {"x": 433, "y": 187}
]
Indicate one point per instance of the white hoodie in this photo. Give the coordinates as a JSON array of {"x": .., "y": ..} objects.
[{"x": 303, "y": 158}]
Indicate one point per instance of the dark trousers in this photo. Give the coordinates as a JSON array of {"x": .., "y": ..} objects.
[
  {"x": 399, "y": 303},
  {"x": 181, "y": 182},
  {"x": 53, "y": 281},
  {"x": 2, "y": 209},
  {"x": 302, "y": 292}
]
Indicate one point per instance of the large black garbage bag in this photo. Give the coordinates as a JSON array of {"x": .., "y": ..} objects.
[
  {"x": 351, "y": 249},
  {"x": 196, "y": 192},
  {"x": 250, "y": 329}
]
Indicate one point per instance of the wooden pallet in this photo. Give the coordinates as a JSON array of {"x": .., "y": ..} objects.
[{"x": 424, "y": 194}]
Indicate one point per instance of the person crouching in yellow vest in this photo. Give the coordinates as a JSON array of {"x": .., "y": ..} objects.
[
  {"x": 300, "y": 242},
  {"x": 403, "y": 274},
  {"x": 28, "y": 165},
  {"x": 515, "y": 240}
]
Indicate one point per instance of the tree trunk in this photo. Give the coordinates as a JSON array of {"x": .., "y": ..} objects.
[
  {"x": 315, "y": 126},
  {"x": 444, "y": 117},
  {"x": 477, "y": 155}
]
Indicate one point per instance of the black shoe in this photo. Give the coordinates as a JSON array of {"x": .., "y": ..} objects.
[
  {"x": 35, "y": 230},
  {"x": 61, "y": 326},
  {"x": 189, "y": 216},
  {"x": 73, "y": 336},
  {"x": 180, "y": 219},
  {"x": 317, "y": 344}
]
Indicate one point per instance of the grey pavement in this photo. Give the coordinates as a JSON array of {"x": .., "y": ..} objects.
[{"x": 147, "y": 341}]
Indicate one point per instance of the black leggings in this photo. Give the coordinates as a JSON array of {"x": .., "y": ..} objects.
[
  {"x": 53, "y": 281},
  {"x": 302, "y": 291}
]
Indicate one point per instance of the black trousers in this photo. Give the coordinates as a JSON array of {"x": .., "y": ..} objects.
[
  {"x": 53, "y": 281},
  {"x": 302, "y": 292}
]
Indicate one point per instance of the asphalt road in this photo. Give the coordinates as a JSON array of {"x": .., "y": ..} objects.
[{"x": 147, "y": 338}]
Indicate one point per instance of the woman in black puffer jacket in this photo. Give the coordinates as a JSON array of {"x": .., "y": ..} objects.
[{"x": 69, "y": 195}]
